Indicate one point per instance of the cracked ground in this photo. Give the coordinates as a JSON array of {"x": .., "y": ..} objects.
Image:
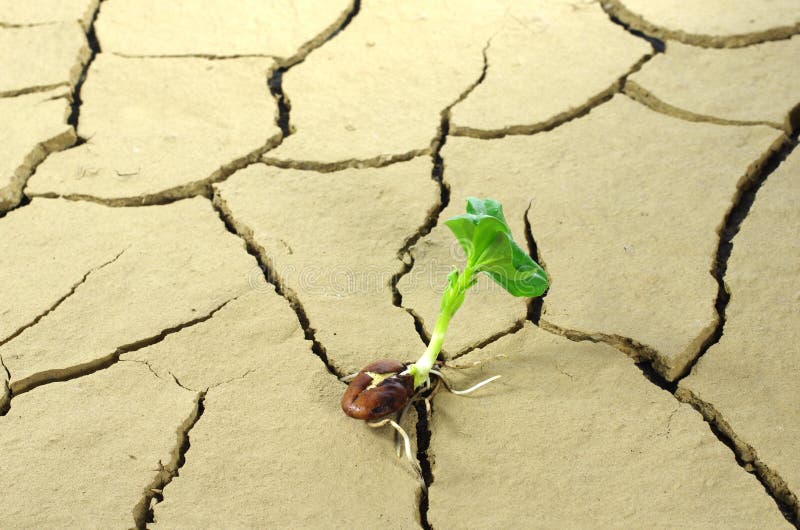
[{"x": 210, "y": 212}]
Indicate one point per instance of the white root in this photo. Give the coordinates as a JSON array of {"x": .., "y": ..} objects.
[
  {"x": 397, "y": 443},
  {"x": 349, "y": 377},
  {"x": 407, "y": 443},
  {"x": 466, "y": 391}
]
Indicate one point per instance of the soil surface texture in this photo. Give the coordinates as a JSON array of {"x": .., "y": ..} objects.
[{"x": 213, "y": 212}]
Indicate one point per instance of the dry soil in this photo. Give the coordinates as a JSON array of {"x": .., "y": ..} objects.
[{"x": 212, "y": 211}]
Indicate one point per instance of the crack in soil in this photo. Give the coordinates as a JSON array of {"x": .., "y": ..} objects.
[
  {"x": 32, "y": 90},
  {"x": 208, "y": 56},
  {"x": 746, "y": 456},
  {"x": 35, "y": 157},
  {"x": 386, "y": 159},
  {"x": 425, "y": 459},
  {"x": 561, "y": 118},
  {"x": 5, "y": 394},
  {"x": 275, "y": 76},
  {"x": 747, "y": 188},
  {"x": 275, "y": 84},
  {"x": 147, "y": 364},
  {"x": 143, "y": 511},
  {"x": 535, "y": 305},
  {"x": 515, "y": 327},
  {"x": 61, "y": 300},
  {"x": 641, "y": 95},
  {"x": 573, "y": 113},
  {"x": 94, "y": 49},
  {"x": 617, "y": 10},
  {"x": 202, "y": 187},
  {"x": 437, "y": 175},
  {"x": 638, "y": 351},
  {"x": 11, "y": 25},
  {"x": 245, "y": 233},
  {"x": 70, "y": 138},
  {"x": 648, "y": 360},
  {"x": 658, "y": 44},
  {"x": 198, "y": 188},
  {"x": 351, "y": 163},
  {"x": 73, "y": 372}
]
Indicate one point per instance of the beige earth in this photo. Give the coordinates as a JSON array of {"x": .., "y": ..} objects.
[
  {"x": 713, "y": 23},
  {"x": 757, "y": 84},
  {"x": 35, "y": 12},
  {"x": 37, "y": 126},
  {"x": 40, "y": 58},
  {"x": 282, "y": 29},
  {"x": 623, "y": 444},
  {"x": 756, "y": 353},
  {"x": 210, "y": 213},
  {"x": 141, "y": 115}
]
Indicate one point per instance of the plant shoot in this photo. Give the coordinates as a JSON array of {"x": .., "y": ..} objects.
[{"x": 387, "y": 386}]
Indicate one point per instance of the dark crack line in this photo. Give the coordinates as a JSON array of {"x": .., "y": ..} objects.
[
  {"x": 437, "y": 175},
  {"x": 744, "y": 455},
  {"x": 638, "y": 351},
  {"x": 5, "y": 368},
  {"x": 203, "y": 187},
  {"x": 46, "y": 148},
  {"x": 32, "y": 160},
  {"x": 12, "y": 25},
  {"x": 207, "y": 56},
  {"x": 143, "y": 512},
  {"x": 177, "y": 381},
  {"x": 559, "y": 119},
  {"x": 424, "y": 458},
  {"x": 275, "y": 77},
  {"x": 641, "y": 95},
  {"x": 657, "y": 44},
  {"x": 351, "y": 163},
  {"x": 275, "y": 84},
  {"x": 16, "y": 197},
  {"x": 245, "y": 233},
  {"x": 147, "y": 364},
  {"x": 635, "y": 23},
  {"x": 94, "y": 49},
  {"x": 517, "y": 326},
  {"x": 5, "y": 393},
  {"x": 774, "y": 485},
  {"x": 73, "y": 372},
  {"x": 61, "y": 300},
  {"x": 578, "y": 112},
  {"x": 32, "y": 90},
  {"x": 200, "y": 188},
  {"x": 746, "y": 189},
  {"x": 535, "y": 305},
  {"x": 354, "y": 10},
  {"x": 24, "y": 201},
  {"x": 746, "y": 193}
]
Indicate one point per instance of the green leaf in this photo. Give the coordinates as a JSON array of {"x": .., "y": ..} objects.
[
  {"x": 463, "y": 227},
  {"x": 485, "y": 243},
  {"x": 484, "y": 235},
  {"x": 521, "y": 276},
  {"x": 488, "y": 207},
  {"x": 476, "y": 229}
]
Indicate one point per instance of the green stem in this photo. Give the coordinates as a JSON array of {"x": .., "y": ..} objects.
[{"x": 452, "y": 298}]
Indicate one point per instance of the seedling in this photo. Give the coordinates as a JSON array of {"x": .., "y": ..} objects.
[{"x": 387, "y": 387}]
